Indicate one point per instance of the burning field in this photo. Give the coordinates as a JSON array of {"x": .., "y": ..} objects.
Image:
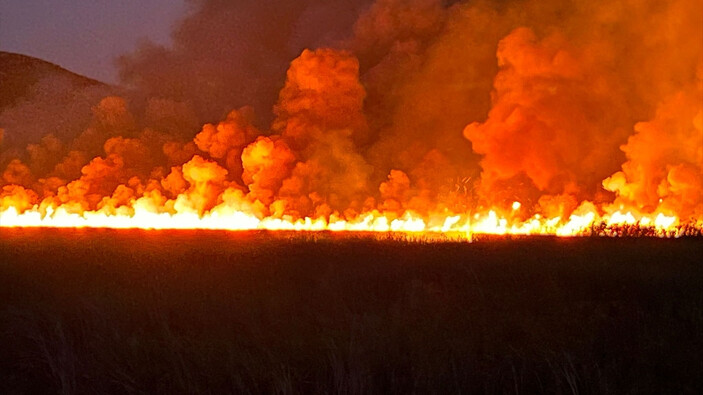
[
  {"x": 387, "y": 196},
  {"x": 469, "y": 118}
]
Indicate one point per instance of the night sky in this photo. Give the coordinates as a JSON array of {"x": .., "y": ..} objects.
[{"x": 85, "y": 36}]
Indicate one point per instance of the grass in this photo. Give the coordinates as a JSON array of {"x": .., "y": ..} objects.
[{"x": 105, "y": 311}]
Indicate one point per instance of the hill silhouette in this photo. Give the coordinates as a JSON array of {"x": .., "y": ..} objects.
[
  {"x": 18, "y": 73},
  {"x": 38, "y": 97}
]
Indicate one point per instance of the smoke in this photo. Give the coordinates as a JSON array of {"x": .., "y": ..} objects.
[
  {"x": 231, "y": 54},
  {"x": 338, "y": 108},
  {"x": 267, "y": 162},
  {"x": 665, "y": 158},
  {"x": 555, "y": 121},
  {"x": 565, "y": 101},
  {"x": 427, "y": 82},
  {"x": 55, "y": 104},
  {"x": 319, "y": 114},
  {"x": 226, "y": 141}
]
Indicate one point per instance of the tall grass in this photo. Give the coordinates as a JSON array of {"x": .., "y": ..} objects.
[{"x": 210, "y": 312}]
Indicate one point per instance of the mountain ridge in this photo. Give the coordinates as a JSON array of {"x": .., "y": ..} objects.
[
  {"x": 19, "y": 72},
  {"x": 38, "y": 97}
]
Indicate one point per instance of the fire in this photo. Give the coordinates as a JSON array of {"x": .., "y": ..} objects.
[
  {"x": 227, "y": 217},
  {"x": 432, "y": 119}
]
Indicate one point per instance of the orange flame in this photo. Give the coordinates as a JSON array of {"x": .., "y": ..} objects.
[{"x": 235, "y": 213}]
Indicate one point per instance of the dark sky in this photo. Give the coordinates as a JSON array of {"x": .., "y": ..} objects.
[{"x": 85, "y": 36}]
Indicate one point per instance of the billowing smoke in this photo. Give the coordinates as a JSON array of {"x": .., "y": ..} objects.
[
  {"x": 335, "y": 109},
  {"x": 664, "y": 164},
  {"x": 555, "y": 122},
  {"x": 230, "y": 54}
]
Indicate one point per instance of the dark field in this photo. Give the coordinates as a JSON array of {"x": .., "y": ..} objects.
[{"x": 104, "y": 311}]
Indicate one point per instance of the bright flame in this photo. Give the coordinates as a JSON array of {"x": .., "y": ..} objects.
[{"x": 460, "y": 225}]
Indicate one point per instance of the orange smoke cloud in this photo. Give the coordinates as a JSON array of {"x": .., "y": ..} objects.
[
  {"x": 319, "y": 112},
  {"x": 207, "y": 182},
  {"x": 665, "y": 159},
  {"x": 322, "y": 93},
  {"x": 17, "y": 173},
  {"x": 227, "y": 140},
  {"x": 267, "y": 162},
  {"x": 549, "y": 121}
]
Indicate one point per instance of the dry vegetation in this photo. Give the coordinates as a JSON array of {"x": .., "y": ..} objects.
[{"x": 86, "y": 311}]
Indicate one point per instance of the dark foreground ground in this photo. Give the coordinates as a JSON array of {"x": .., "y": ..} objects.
[{"x": 85, "y": 311}]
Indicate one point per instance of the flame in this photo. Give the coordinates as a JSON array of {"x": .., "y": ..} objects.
[{"x": 226, "y": 216}]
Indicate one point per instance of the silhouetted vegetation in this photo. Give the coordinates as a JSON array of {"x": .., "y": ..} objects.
[{"x": 106, "y": 311}]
